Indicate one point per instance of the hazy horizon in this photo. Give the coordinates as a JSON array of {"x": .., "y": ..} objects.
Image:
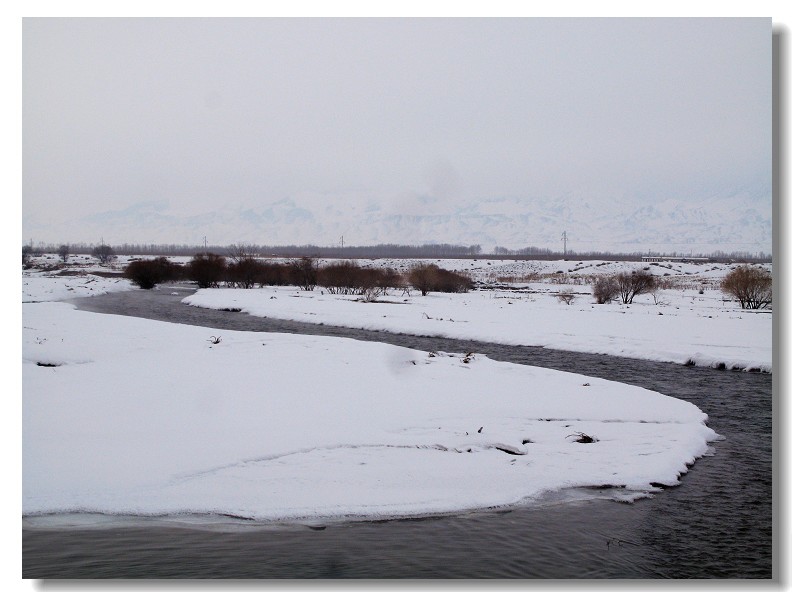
[{"x": 496, "y": 131}]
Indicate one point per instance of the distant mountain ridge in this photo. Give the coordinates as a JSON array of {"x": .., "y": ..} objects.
[{"x": 731, "y": 224}]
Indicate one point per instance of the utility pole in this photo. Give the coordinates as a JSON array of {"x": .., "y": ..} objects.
[
  {"x": 342, "y": 241},
  {"x": 564, "y": 238},
  {"x": 204, "y": 243}
]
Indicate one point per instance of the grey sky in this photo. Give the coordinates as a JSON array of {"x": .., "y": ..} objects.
[{"x": 208, "y": 113}]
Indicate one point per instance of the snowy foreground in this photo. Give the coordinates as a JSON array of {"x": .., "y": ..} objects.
[{"x": 131, "y": 416}]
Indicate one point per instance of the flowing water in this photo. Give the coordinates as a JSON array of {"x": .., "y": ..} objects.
[{"x": 716, "y": 524}]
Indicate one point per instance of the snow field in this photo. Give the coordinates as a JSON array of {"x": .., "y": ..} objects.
[
  {"x": 687, "y": 327},
  {"x": 132, "y": 416}
]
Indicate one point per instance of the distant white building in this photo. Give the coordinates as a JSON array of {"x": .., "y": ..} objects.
[{"x": 679, "y": 259}]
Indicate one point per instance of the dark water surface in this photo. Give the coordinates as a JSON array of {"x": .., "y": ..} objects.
[{"x": 716, "y": 524}]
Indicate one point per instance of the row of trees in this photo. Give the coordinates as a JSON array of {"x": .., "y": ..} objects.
[
  {"x": 104, "y": 253},
  {"x": 210, "y": 270},
  {"x": 442, "y": 250}
]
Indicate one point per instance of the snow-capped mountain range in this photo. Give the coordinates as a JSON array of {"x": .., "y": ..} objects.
[{"x": 736, "y": 223}]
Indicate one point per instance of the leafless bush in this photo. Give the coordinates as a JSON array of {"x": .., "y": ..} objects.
[
  {"x": 371, "y": 294},
  {"x": 451, "y": 281},
  {"x": 431, "y": 278},
  {"x": 390, "y": 278},
  {"x": 566, "y": 296},
  {"x": 344, "y": 277},
  {"x": 273, "y": 274},
  {"x": 104, "y": 253},
  {"x": 147, "y": 273},
  {"x": 421, "y": 276},
  {"x": 657, "y": 297},
  {"x": 632, "y": 284},
  {"x": 604, "y": 289},
  {"x": 752, "y": 287},
  {"x": 304, "y": 273},
  {"x": 243, "y": 272},
  {"x": 240, "y": 252},
  {"x": 206, "y": 269}
]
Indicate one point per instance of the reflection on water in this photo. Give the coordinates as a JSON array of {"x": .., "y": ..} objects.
[{"x": 716, "y": 524}]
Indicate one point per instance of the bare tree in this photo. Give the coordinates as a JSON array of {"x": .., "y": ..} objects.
[
  {"x": 104, "y": 253},
  {"x": 632, "y": 284},
  {"x": 63, "y": 252},
  {"x": 752, "y": 287},
  {"x": 241, "y": 252},
  {"x": 27, "y": 253}
]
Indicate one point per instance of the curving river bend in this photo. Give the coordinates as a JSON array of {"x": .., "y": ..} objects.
[{"x": 716, "y": 524}]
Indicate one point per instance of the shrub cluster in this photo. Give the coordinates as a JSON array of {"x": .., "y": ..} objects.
[
  {"x": 347, "y": 277},
  {"x": 604, "y": 289},
  {"x": 147, "y": 273},
  {"x": 304, "y": 273},
  {"x": 752, "y": 287},
  {"x": 428, "y": 277},
  {"x": 623, "y": 285},
  {"x": 207, "y": 270}
]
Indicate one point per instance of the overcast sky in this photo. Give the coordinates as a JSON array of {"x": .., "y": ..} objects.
[{"x": 202, "y": 114}]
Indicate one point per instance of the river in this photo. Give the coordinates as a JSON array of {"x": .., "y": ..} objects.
[{"x": 716, "y": 524}]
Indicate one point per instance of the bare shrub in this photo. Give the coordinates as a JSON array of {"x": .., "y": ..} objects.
[
  {"x": 347, "y": 277},
  {"x": 390, "y": 278},
  {"x": 632, "y": 284},
  {"x": 451, "y": 281},
  {"x": 104, "y": 253},
  {"x": 566, "y": 296},
  {"x": 244, "y": 272},
  {"x": 240, "y": 252},
  {"x": 273, "y": 274},
  {"x": 431, "y": 278},
  {"x": 421, "y": 277},
  {"x": 752, "y": 287},
  {"x": 343, "y": 277},
  {"x": 206, "y": 269},
  {"x": 304, "y": 273},
  {"x": 147, "y": 273},
  {"x": 657, "y": 297},
  {"x": 604, "y": 289}
]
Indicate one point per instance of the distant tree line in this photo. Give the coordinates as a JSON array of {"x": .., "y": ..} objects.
[{"x": 385, "y": 250}]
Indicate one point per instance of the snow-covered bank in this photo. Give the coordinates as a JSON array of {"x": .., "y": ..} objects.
[
  {"x": 124, "y": 415},
  {"x": 48, "y": 287},
  {"x": 684, "y": 327}
]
